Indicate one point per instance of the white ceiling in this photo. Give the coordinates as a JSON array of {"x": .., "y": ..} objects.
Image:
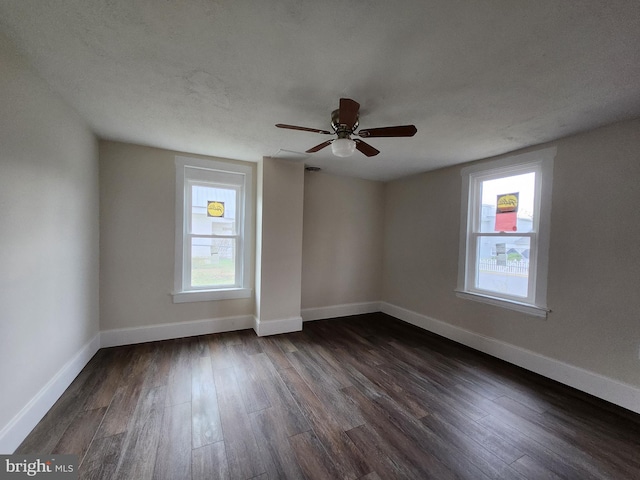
[{"x": 477, "y": 78}]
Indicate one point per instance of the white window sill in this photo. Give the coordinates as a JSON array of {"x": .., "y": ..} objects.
[
  {"x": 208, "y": 295},
  {"x": 533, "y": 310}
]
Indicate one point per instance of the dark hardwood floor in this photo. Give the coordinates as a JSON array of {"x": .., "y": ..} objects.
[{"x": 364, "y": 397}]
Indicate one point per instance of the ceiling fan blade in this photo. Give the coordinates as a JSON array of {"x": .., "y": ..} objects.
[
  {"x": 304, "y": 129},
  {"x": 399, "y": 131},
  {"x": 320, "y": 146},
  {"x": 365, "y": 148},
  {"x": 348, "y": 112}
]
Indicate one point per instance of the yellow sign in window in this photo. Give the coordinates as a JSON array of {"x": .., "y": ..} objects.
[
  {"x": 215, "y": 209},
  {"x": 507, "y": 203}
]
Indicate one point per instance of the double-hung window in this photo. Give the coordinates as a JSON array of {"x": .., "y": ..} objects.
[
  {"x": 506, "y": 207},
  {"x": 213, "y": 230}
]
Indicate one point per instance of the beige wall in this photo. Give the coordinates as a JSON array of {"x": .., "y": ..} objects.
[
  {"x": 137, "y": 232},
  {"x": 338, "y": 262},
  {"x": 280, "y": 231},
  {"x": 594, "y": 269},
  {"x": 342, "y": 242},
  {"x": 48, "y": 235}
]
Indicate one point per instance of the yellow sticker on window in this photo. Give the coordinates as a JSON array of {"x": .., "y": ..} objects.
[
  {"x": 215, "y": 209},
  {"x": 507, "y": 203}
]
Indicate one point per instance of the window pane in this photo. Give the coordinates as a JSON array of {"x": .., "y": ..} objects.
[
  {"x": 518, "y": 189},
  {"x": 503, "y": 265},
  {"x": 213, "y": 262},
  {"x": 213, "y": 210}
]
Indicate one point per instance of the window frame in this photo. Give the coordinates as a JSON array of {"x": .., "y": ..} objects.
[
  {"x": 196, "y": 171},
  {"x": 541, "y": 162}
]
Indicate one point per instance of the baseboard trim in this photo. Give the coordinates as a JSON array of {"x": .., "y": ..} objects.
[
  {"x": 337, "y": 311},
  {"x": 167, "y": 331},
  {"x": 13, "y": 433},
  {"x": 614, "y": 391},
  {"x": 275, "y": 327}
]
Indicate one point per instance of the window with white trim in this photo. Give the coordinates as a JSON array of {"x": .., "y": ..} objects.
[
  {"x": 504, "y": 232},
  {"x": 214, "y": 215}
]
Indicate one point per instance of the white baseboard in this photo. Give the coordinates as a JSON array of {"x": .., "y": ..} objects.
[
  {"x": 618, "y": 393},
  {"x": 13, "y": 433},
  {"x": 275, "y": 327},
  {"x": 166, "y": 331},
  {"x": 336, "y": 311}
]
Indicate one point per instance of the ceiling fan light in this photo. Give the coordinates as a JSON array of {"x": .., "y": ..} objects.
[{"x": 343, "y": 147}]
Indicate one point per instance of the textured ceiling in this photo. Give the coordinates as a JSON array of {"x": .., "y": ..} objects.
[{"x": 477, "y": 78}]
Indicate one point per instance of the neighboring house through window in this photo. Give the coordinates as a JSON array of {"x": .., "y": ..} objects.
[
  {"x": 506, "y": 207},
  {"x": 214, "y": 214}
]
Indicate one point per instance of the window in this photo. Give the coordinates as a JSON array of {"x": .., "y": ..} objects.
[
  {"x": 213, "y": 230},
  {"x": 504, "y": 238}
]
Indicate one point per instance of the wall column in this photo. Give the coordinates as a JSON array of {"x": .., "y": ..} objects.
[{"x": 279, "y": 246}]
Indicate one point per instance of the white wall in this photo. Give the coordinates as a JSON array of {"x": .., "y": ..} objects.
[
  {"x": 48, "y": 245},
  {"x": 342, "y": 242},
  {"x": 137, "y": 237},
  {"x": 594, "y": 269}
]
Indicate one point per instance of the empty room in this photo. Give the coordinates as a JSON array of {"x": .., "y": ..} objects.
[{"x": 298, "y": 239}]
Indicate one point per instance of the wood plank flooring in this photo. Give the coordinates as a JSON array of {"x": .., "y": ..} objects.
[{"x": 363, "y": 397}]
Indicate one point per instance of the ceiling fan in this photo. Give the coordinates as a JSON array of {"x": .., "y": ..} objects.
[{"x": 345, "y": 121}]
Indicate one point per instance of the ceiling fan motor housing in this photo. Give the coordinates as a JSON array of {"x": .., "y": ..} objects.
[{"x": 342, "y": 130}]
